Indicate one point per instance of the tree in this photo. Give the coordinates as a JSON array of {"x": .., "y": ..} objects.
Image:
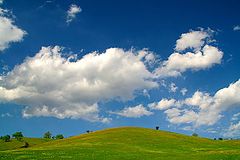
[
  {"x": 6, "y": 138},
  {"x": 157, "y": 127},
  {"x": 220, "y": 138},
  {"x": 47, "y": 135},
  {"x": 18, "y": 136},
  {"x": 195, "y": 134},
  {"x": 59, "y": 136}
]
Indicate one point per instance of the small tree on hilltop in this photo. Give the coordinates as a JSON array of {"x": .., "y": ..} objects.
[
  {"x": 59, "y": 136},
  {"x": 195, "y": 134},
  {"x": 6, "y": 138},
  {"x": 47, "y": 135},
  {"x": 157, "y": 127},
  {"x": 18, "y": 136}
]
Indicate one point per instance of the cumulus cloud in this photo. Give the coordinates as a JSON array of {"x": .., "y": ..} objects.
[
  {"x": 202, "y": 108},
  {"x": 233, "y": 130},
  {"x": 9, "y": 32},
  {"x": 50, "y": 84},
  {"x": 203, "y": 100},
  {"x": 177, "y": 116},
  {"x": 236, "y": 28},
  {"x": 72, "y": 12},
  {"x": 178, "y": 63},
  {"x": 203, "y": 56},
  {"x": 192, "y": 40},
  {"x": 134, "y": 112},
  {"x": 163, "y": 104}
]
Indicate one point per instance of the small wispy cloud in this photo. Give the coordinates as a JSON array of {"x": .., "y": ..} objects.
[
  {"x": 236, "y": 28},
  {"x": 236, "y": 117},
  {"x": 6, "y": 115},
  {"x": 46, "y": 3},
  {"x": 173, "y": 88},
  {"x": 72, "y": 12},
  {"x": 183, "y": 91}
]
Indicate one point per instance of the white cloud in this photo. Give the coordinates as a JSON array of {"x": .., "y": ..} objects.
[
  {"x": 183, "y": 91},
  {"x": 145, "y": 93},
  {"x": 148, "y": 57},
  {"x": 236, "y": 28},
  {"x": 233, "y": 130},
  {"x": 211, "y": 130},
  {"x": 173, "y": 88},
  {"x": 203, "y": 100},
  {"x": 235, "y": 117},
  {"x": 52, "y": 85},
  {"x": 1, "y": 2},
  {"x": 72, "y": 12},
  {"x": 163, "y": 104},
  {"x": 178, "y": 63},
  {"x": 134, "y": 112},
  {"x": 188, "y": 128},
  {"x": 177, "y": 116},
  {"x": 6, "y": 115},
  {"x": 203, "y": 55},
  {"x": 203, "y": 109},
  {"x": 192, "y": 40},
  {"x": 9, "y": 32}
]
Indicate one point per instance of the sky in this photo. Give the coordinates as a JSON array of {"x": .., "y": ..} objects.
[{"x": 77, "y": 65}]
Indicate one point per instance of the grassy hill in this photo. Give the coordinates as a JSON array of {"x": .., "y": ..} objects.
[
  {"x": 14, "y": 144},
  {"x": 129, "y": 143}
]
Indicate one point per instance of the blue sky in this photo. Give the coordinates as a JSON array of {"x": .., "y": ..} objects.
[{"x": 125, "y": 63}]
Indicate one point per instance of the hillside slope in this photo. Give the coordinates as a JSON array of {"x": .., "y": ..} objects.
[
  {"x": 129, "y": 143},
  {"x": 15, "y": 144}
]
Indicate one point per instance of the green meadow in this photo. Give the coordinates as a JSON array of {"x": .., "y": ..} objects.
[{"x": 125, "y": 143}]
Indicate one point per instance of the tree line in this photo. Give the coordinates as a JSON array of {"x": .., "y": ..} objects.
[{"x": 19, "y": 136}]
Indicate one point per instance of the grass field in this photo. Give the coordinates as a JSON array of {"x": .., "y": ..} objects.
[
  {"x": 127, "y": 143},
  {"x": 14, "y": 144}
]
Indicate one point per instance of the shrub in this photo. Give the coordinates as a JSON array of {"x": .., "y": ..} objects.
[
  {"x": 195, "y": 134},
  {"x": 18, "y": 136},
  {"x": 47, "y": 135},
  {"x": 59, "y": 136},
  {"x": 220, "y": 138},
  {"x": 157, "y": 127},
  {"x": 6, "y": 138}
]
